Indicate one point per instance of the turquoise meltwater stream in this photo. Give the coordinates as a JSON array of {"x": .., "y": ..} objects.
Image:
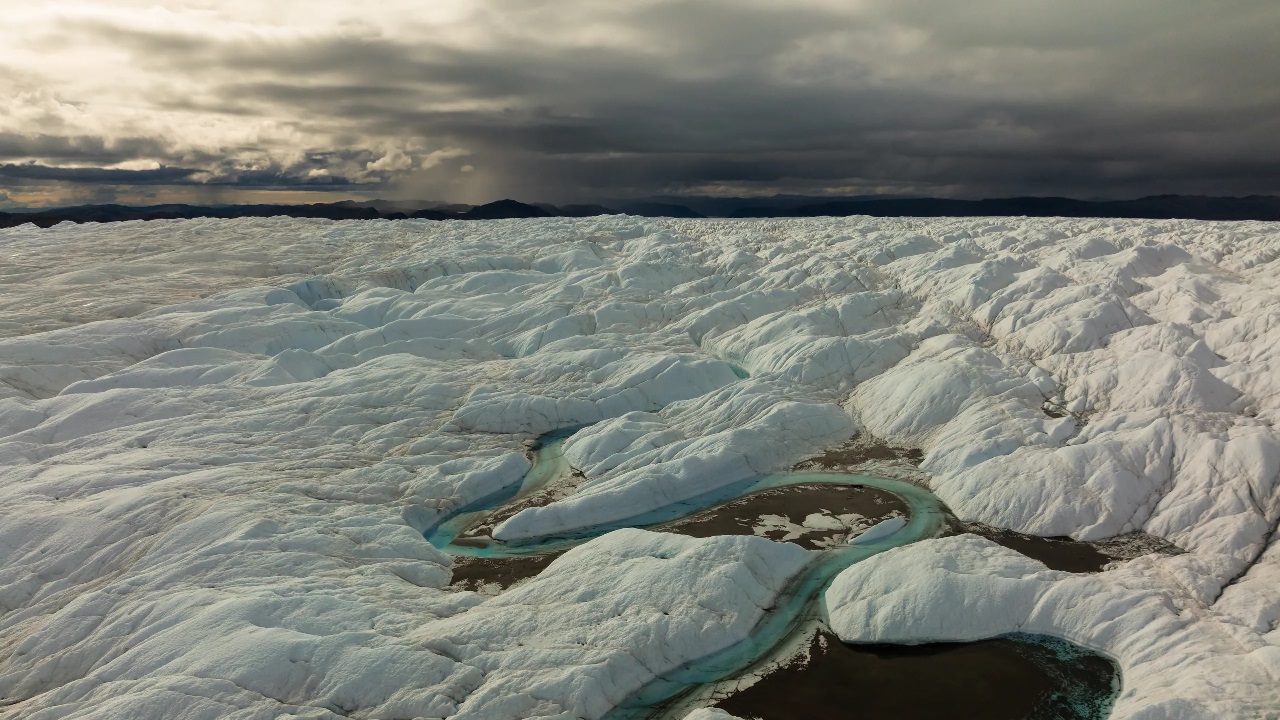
[
  {"x": 797, "y": 603},
  {"x": 795, "y": 609}
]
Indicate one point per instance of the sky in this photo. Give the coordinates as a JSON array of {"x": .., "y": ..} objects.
[{"x": 219, "y": 101}]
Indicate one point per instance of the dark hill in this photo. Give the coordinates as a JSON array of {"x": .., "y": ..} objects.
[
  {"x": 1190, "y": 207},
  {"x": 429, "y": 214},
  {"x": 576, "y": 210},
  {"x": 655, "y": 209},
  {"x": 503, "y": 209}
]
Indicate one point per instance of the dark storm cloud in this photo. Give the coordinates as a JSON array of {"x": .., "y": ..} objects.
[
  {"x": 563, "y": 100},
  {"x": 86, "y": 149},
  {"x": 224, "y": 173},
  {"x": 34, "y": 171}
]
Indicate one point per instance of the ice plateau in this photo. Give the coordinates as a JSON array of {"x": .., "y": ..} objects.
[{"x": 221, "y": 442}]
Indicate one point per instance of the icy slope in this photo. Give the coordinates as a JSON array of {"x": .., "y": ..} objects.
[
  {"x": 218, "y": 440},
  {"x": 1178, "y": 660}
]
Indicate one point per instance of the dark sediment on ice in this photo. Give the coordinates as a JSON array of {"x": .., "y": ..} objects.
[
  {"x": 859, "y": 451},
  {"x": 1011, "y": 678},
  {"x": 1057, "y": 553},
  {"x": 488, "y": 575},
  {"x": 747, "y": 515},
  {"x": 776, "y": 513},
  {"x": 1069, "y": 555}
]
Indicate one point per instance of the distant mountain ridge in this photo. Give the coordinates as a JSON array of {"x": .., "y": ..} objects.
[
  {"x": 1156, "y": 207},
  {"x": 1190, "y": 207}
]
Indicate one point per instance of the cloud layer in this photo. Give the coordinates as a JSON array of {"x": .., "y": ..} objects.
[{"x": 573, "y": 99}]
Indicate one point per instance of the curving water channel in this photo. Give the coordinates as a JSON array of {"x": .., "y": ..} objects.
[{"x": 905, "y": 513}]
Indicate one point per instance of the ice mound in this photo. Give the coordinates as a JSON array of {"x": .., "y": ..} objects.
[
  {"x": 605, "y": 618},
  {"x": 595, "y": 626},
  {"x": 220, "y": 441},
  {"x": 694, "y": 447},
  {"x": 1178, "y": 659}
]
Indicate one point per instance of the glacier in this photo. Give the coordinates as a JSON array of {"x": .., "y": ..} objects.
[{"x": 221, "y": 442}]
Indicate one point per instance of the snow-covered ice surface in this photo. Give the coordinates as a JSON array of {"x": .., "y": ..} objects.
[{"x": 220, "y": 442}]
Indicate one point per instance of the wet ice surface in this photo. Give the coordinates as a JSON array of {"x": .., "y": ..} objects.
[
  {"x": 1014, "y": 678},
  {"x": 221, "y": 443}
]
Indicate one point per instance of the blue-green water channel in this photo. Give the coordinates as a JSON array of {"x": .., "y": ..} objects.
[{"x": 798, "y": 608}]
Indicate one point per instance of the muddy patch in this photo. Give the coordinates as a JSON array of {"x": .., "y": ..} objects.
[
  {"x": 1053, "y": 411},
  {"x": 492, "y": 575},
  {"x": 1057, "y": 553},
  {"x": 1014, "y": 678},
  {"x": 862, "y": 450},
  {"x": 1069, "y": 555},
  {"x": 812, "y": 515}
]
